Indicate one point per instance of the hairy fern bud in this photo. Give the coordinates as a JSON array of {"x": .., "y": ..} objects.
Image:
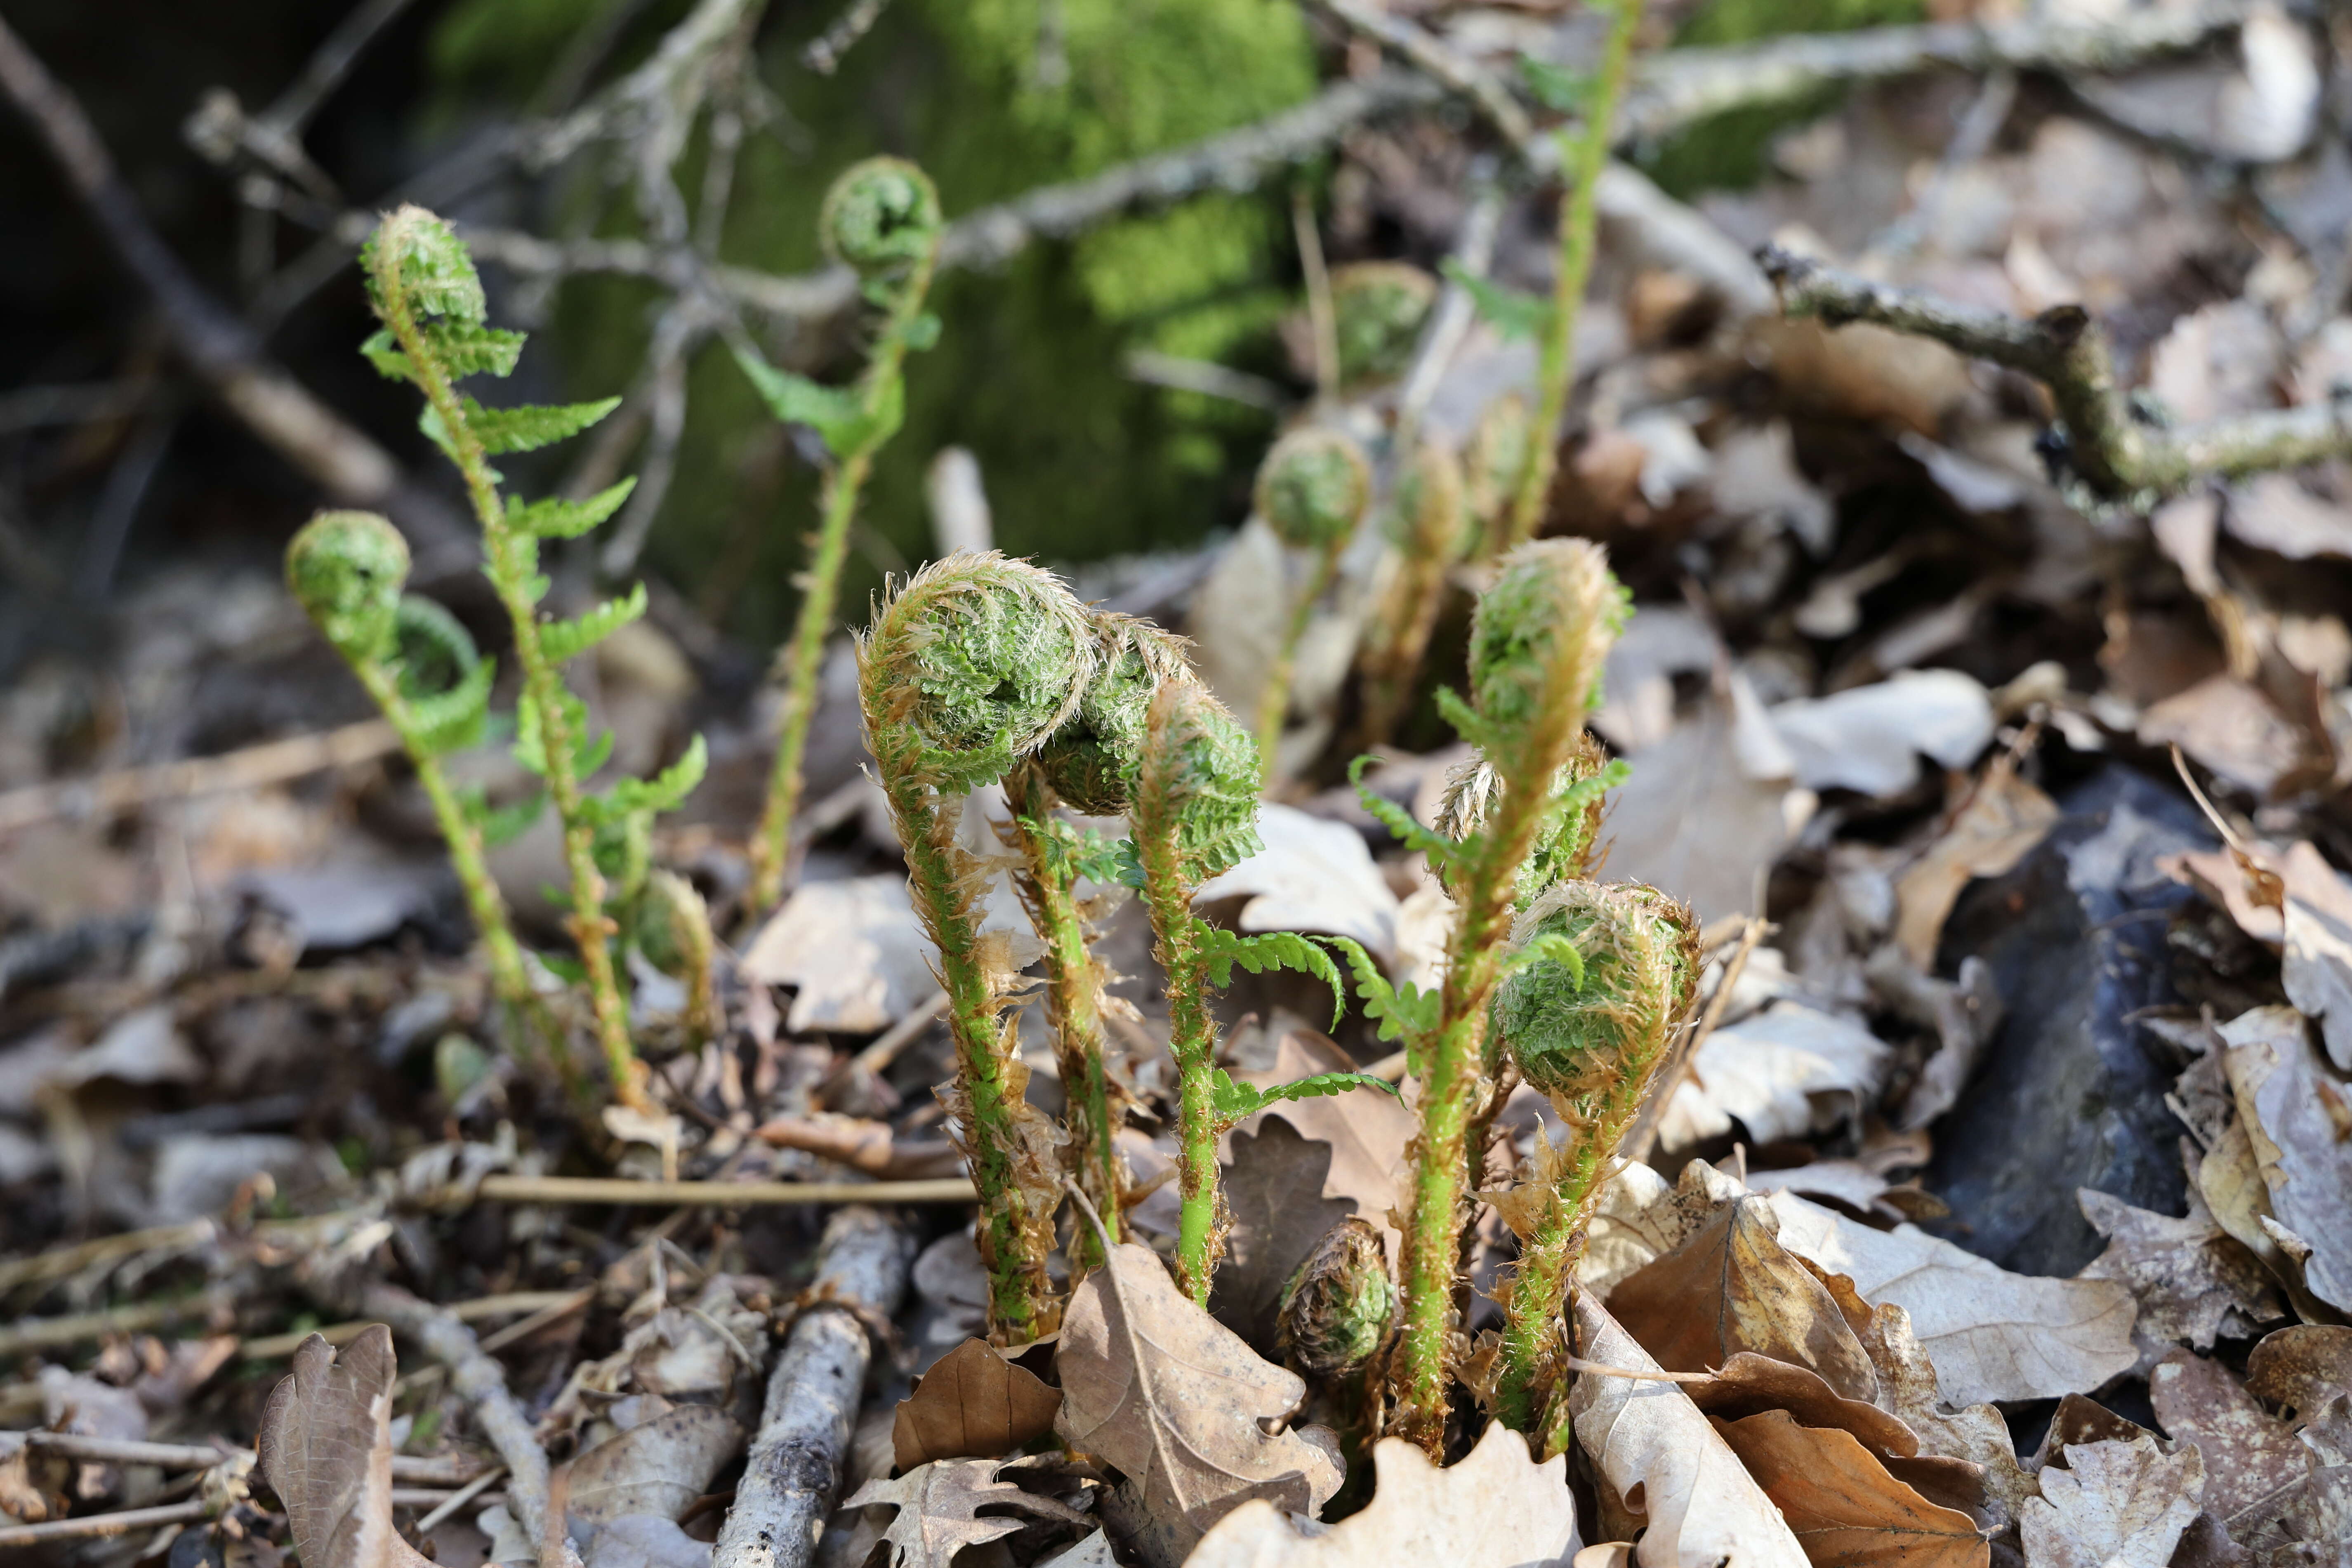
[
  {"x": 1501, "y": 447},
  {"x": 1541, "y": 632},
  {"x": 977, "y": 659},
  {"x": 1199, "y": 770},
  {"x": 1091, "y": 761},
  {"x": 1591, "y": 1041},
  {"x": 436, "y": 274},
  {"x": 1433, "y": 523},
  {"x": 1377, "y": 307},
  {"x": 346, "y": 570},
  {"x": 1313, "y": 487},
  {"x": 1340, "y": 1307},
  {"x": 880, "y": 215},
  {"x": 1570, "y": 843}
]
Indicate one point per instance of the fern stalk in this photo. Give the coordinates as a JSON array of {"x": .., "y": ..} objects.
[
  {"x": 1586, "y": 155},
  {"x": 1073, "y": 997},
  {"x": 909, "y": 264},
  {"x": 1273, "y": 697},
  {"x": 510, "y": 559},
  {"x": 1312, "y": 489},
  {"x": 1537, "y": 645}
]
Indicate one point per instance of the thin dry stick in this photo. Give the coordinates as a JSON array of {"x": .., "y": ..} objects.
[
  {"x": 482, "y": 1382},
  {"x": 253, "y": 767},
  {"x": 2120, "y": 459},
  {"x": 32, "y": 1334},
  {"x": 537, "y": 1303},
  {"x": 102, "y": 1524},
  {"x": 790, "y": 1480},
  {"x": 460, "y": 1498},
  {"x": 714, "y": 1195},
  {"x": 196, "y": 1456}
]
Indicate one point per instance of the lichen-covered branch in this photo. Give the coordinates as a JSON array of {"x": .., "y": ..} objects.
[{"x": 2121, "y": 458}]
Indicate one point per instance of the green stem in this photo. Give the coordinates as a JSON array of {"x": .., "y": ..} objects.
[
  {"x": 1073, "y": 1005},
  {"x": 1191, "y": 1041},
  {"x": 1404, "y": 633},
  {"x": 772, "y": 842},
  {"x": 1274, "y": 698},
  {"x": 531, "y": 1025},
  {"x": 1454, "y": 1072},
  {"x": 1555, "y": 369},
  {"x": 509, "y": 569}
]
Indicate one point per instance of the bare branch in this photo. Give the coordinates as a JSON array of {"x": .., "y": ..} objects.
[
  {"x": 1676, "y": 87},
  {"x": 1424, "y": 52},
  {"x": 823, "y": 53},
  {"x": 2121, "y": 459}
]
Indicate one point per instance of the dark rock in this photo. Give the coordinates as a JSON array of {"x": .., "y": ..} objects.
[{"x": 2070, "y": 1093}]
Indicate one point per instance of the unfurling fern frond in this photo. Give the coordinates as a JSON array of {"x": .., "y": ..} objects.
[
  {"x": 839, "y": 414},
  {"x": 462, "y": 348},
  {"x": 1232, "y": 1100},
  {"x": 522, "y": 428},
  {"x": 1400, "y": 823},
  {"x": 559, "y": 640},
  {"x": 555, "y": 518},
  {"x": 1220, "y": 950},
  {"x": 664, "y": 791}
]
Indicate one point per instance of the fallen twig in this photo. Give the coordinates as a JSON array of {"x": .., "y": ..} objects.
[
  {"x": 460, "y": 1498},
  {"x": 793, "y": 1474},
  {"x": 535, "y": 1302},
  {"x": 253, "y": 767},
  {"x": 441, "y": 1471},
  {"x": 31, "y": 1334},
  {"x": 718, "y": 1194},
  {"x": 2121, "y": 458},
  {"x": 100, "y": 1524},
  {"x": 482, "y": 1382}
]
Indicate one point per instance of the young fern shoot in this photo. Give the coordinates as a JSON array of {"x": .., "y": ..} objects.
[
  {"x": 967, "y": 670},
  {"x": 1433, "y": 531},
  {"x": 1311, "y": 490},
  {"x": 423, "y": 287},
  {"x": 1592, "y": 1037},
  {"x": 346, "y": 568},
  {"x": 1089, "y": 764},
  {"x": 881, "y": 217},
  {"x": 1583, "y": 156},
  {"x": 1194, "y": 814},
  {"x": 1537, "y": 643}
]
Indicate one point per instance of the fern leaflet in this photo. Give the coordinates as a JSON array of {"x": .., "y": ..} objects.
[
  {"x": 568, "y": 519},
  {"x": 569, "y": 638}
]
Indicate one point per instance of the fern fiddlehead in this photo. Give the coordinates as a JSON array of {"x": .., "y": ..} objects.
[
  {"x": 1433, "y": 530},
  {"x": 882, "y": 218},
  {"x": 1537, "y": 640},
  {"x": 423, "y": 289},
  {"x": 1312, "y": 489},
  {"x": 967, "y": 670}
]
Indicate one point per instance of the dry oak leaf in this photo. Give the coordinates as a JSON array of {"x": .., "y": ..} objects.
[
  {"x": 658, "y": 1467},
  {"x": 1367, "y": 1132},
  {"x": 972, "y": 1405},
  {"x": 326, "y": 1447},
  {"x": 2116, "y": 1505},
  {"x": 2190, "y": 1277},
  {"x": 1841, "y": 1503},
  {"x": 2002, "y": 820},
  {"x": 1750, "y": 1384},
  {"x": 2308, "y": 1521},
  {"x": 2249, "y": 1454},
  {"x": 1992, "y": 1334},
  {"x": 1906, "y": 1383},
  {"x": 1653, "y": 1448},
  {"x": 938, "y": 1509},
  {"x": 1273, "y": 1180},
  {"x": 2297, "y": 1112},
  {"x": 2302, "y": 1368},
  {"x": 2295, "y": 900},
  {"x": 1154, "y": 1385},
  {"x": 1731, "y": 1286},
  {"x": 1496, "y": 1509}
]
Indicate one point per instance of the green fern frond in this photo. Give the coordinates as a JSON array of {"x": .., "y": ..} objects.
[
  {"x": 501, "y": 824},
  {"x": 569, "y": 638},
  {"x": 462, "y": 348},
  {"x": 1467, "y": 721},
  {"x": 1406, "y": 1014},
  {"x": 1221, "y": 950},
  {"x": 837, "y": 414},
  {"x": 1403, "y": 824},
  {"x": 1513, "y": 314},
  {"x": 1550, "y": 947},
  {"x": 437, "y": 273},
  {"x": 590, "y": 748},
  {"x": 665, "y": 789},
  {"x": 555, "y": 518},
  {"x": 522, "y": 428},
  {"x": 1232, "y": 1100}
]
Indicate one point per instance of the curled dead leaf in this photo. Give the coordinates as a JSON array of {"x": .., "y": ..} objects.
[
  {"x": 2116, "y": 1505},
  {"x": 1841, "y": 1504},
  {"x": 326, "y": 1447},
  {"x": 973, "y": 1404}
]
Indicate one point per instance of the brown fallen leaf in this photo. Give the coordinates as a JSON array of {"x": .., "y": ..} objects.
[
  {"x": 658, "y": 1466},
  {"x": 1731, "y": 1286},
  {"x": 2293, "y": 901},
  {"x": 2302, "y": 1368},
  {"x": 1274, "y": 1184},
  {"x": 2189, "y": 1277},
  {"x": 972, "y": 1405},
  {"x": 2080, "y": 1419},
  {"x": 1750, "y": 1384},
  {"x": 2228, "y": 726},
  {"x": 2116, "y": 1505},
  {"x": 1367, "y": 1132},
  {"x": 325, "y": 1445},
  {"x": 1155, "y": 1387},
  {"x": 861, "y": 1145},
  {"x": 2295, "y": 1114},
  {"x": 1841, "y": 1504},
  {"x": 1494, "y": 1508},
  {"x": 1660, "y": 1462},
  {"x": 1992, "y": 1334},
  {"x": 1907, "y": 1387},
  {"x": 2308, "y": 1521},
  {"x": 938, "y": 1509},
  {"x": 2249, "y": 1454},
  {"x": 1713, "y": 810},
  {"x": 2000, "y": 824}
]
